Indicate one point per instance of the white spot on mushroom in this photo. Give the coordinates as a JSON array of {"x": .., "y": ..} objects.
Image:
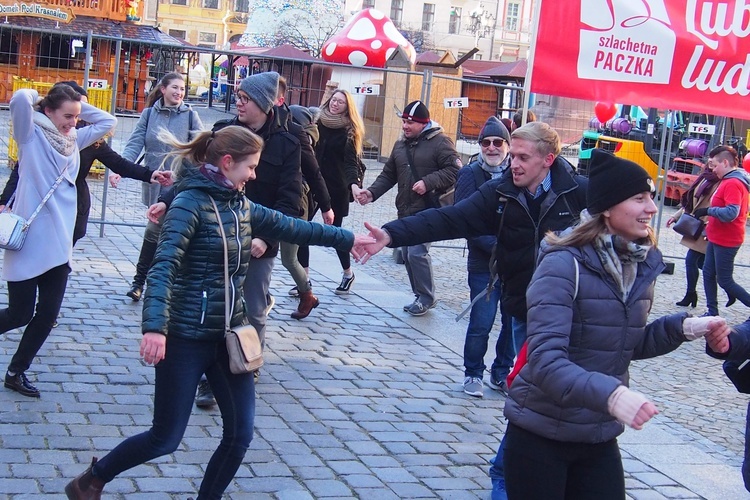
[
  {"x": 358, "y": 58},
  {"x": 389, "y": 52},
  {"x": 331, "y": 49},
  {"x": 363, "y": 29},
  {"x": 375, "y": 14},
  {"x": 376, "y": 44},
  {"x": 391, "y": 32}
]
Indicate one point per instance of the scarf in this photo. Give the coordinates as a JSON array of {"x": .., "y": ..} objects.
[
  {"x": 620, "y": 259},
  {"x": 214, "y": 175},
  {"x": 703, "y": 183},
  {"x": 497, "y": 171},
  {"x": 63, "y": 144},
  {"x": 333, "y": 121}
]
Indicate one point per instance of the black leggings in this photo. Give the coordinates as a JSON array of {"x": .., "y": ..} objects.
[
  {"x": 20, "y": 311},
  {"x": 537, "y": 468},
  {"x": 303, "y": 254}
]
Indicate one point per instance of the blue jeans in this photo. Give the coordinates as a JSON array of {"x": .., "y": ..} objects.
[
  {"x": 718, "y": 268},
  {"x": 497, "y": 473},
  {"x": 508, "y": 347},
  {"x": 481, "y": 320},
  {"x": 177, "y": 377}
]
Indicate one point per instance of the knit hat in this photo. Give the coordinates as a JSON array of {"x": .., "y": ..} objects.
[
  {"x": 417, "y": 112},
  {"x": 301, "y": 115},
  {"x": 613, "y": 180},
  {"x": 494, "y": 128},
  {"x": 262, "y": 88}
]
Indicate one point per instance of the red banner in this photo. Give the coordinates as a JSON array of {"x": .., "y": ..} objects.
[{"x": 690, "y": 55}]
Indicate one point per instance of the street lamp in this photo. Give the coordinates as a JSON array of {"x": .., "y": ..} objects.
[{"x": 482, "y": 24}]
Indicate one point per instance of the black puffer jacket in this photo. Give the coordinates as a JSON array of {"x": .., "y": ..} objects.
[
  {"x": 278, "y": 177},
  {"x": 185, "y": 292},
  {"x": 435, "y": 161},
  {"x": 581, "y": 342},
  {"x": 520, "y": 235}
]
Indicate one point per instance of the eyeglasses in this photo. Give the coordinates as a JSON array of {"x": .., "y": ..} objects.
[
  {"x": 338, "y": 101},
  {"x": 243, "y": 98},
  {"x": 495, "y": 142}
]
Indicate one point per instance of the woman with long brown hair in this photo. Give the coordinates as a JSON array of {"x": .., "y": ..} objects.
[
  {"x": 338, "y": 151},
  {"x": 184, "y": 306}
]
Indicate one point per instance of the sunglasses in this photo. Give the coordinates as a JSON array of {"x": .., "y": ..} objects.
[{"x": 495, "y": 142}]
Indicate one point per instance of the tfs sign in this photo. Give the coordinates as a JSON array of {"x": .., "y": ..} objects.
[
  {"x": 367, "y": 90},
  {"x": 456, "y": 102}
]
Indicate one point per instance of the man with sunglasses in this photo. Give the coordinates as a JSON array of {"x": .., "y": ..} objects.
[{"x": 493, "y": 161}]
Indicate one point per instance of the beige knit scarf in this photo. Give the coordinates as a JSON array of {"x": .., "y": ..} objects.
[
  {"x": 63, "y": 144},
  {"x": 333, "y": 121}
]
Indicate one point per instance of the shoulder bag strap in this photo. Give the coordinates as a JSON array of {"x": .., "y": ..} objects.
[
  {"x": 45, "y": 199},
  {"x": 148, "y": 118},
  {"x": 227, "y": 327}
]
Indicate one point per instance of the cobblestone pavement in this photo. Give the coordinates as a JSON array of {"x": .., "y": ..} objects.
[{"x": 359, "y": 400}]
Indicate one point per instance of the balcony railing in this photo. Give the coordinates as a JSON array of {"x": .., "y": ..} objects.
[{"x": 115, "y": 10}]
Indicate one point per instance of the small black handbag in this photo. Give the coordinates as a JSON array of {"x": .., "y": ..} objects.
[{"x": 689, "y": 226}]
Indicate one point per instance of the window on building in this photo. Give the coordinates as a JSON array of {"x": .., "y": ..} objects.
[
  {"x": 397, "y": 10},
  {"x": 180, "y": 34},
  {"x": 454, "y": 22},
  {"x": 210, "y": 4},
  {"x": 8, "y": 47},
  {"x": 179, "y": 2},
  {"x": 428, "y": 16},
  {"x": 368, "y": 4},
  {"x": 54, "y": 51},
  {"x": 242, "y": 5},
  {"x": 207, "y": 38},
  {"x": 511, "y": 16}
]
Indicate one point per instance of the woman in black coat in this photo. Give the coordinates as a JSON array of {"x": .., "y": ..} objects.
[{"x": 338, "y": 150}]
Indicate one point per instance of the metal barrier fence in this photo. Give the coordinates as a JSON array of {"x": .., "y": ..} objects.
[{"x": 379, "y": 94}]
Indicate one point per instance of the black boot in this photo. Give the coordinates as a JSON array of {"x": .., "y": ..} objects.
[
  {"x": 690, "y": 299},
  {"x": 148, "y": 249}
]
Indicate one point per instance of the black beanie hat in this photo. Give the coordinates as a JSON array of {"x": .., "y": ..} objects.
[
  {"x": 613, "y": 180},
  {"x": 494, "y": 128},
  {"x": 417, "y": 112}
]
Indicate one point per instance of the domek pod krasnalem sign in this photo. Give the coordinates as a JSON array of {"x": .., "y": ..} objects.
[
  {"x": 60, "y": 14},
  {"x": 692, "y": 55}
]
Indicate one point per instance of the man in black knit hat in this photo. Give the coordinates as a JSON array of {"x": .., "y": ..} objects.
[{"x": 423, "y": 163}]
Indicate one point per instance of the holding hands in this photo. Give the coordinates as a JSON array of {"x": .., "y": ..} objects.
[
  {"x": 163, "y": 177},
  {"x": 371, "y": 244},
  {"x": 364, "y": 197}
]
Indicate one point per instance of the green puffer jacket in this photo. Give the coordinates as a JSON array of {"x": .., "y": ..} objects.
[{"x": 185, "y": 286}]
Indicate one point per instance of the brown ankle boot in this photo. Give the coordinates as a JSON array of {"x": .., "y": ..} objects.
[
  {"x": 85, "y": 486},
  {"x": 307, "y": 302}
]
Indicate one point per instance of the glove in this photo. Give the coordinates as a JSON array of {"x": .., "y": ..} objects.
[
  {"x": 695, "y": 328},
  {"x": 623, "y": 404},
  {"x": 700, "y": 212}
]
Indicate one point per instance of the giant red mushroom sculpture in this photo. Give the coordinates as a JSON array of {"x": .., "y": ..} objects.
[{"x": 368, "y": 39}]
